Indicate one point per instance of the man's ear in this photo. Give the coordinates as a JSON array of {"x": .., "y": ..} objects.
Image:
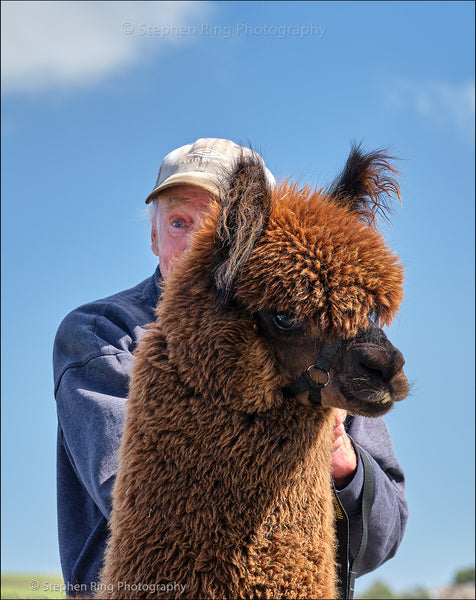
[
  {"x": 154, "y": 237},
  {"x": 245, "y": 210}
]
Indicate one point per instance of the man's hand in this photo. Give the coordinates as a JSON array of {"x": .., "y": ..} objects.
[{"x": 344, "y": 458}]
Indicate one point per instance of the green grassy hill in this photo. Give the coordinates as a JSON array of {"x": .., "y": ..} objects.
[{"x": 26, "y": 586}]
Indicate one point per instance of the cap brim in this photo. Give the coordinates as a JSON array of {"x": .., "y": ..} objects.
[{"x": 200, "y": 180}]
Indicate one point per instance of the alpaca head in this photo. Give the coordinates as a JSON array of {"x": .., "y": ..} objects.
[{"x": 281, "y": 272}]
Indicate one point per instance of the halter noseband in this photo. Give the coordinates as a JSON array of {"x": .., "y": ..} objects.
[{"x": 306, "y": 382}]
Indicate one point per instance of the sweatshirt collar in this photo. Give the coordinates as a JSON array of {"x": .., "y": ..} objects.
[{"x": 156, "y": 290}]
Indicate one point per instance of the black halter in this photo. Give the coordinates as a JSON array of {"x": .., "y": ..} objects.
[{"x": 306, "y": 382}]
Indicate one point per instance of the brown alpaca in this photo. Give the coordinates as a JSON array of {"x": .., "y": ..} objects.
[{"x": 224, "y": 486}]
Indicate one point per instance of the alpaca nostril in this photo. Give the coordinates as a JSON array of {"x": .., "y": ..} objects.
[
  {"x": 382, "y": 364},
  {"x": 375, "y": 371}
]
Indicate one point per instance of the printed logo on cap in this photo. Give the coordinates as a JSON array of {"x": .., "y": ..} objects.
[{"x": 208, "y": 154}]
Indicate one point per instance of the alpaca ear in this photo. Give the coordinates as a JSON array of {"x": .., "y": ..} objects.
[
  {"x": 245, "y": 210},
  {"x": 367, "y": 184}
]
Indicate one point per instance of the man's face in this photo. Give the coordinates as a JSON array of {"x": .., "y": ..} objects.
[{"x": 179, "y": 212}]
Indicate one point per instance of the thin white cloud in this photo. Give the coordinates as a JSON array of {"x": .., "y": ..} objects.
[
  {"x": 439, "y": 102},
  {"x": 57, "y": 44}
]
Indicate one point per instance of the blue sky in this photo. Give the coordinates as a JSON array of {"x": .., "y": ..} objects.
[{"x": 94, "y": 94}]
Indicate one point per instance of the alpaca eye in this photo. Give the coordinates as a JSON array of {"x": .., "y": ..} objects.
[{"x": 285, "y": 322}]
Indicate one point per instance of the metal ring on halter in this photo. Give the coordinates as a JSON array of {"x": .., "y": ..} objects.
[
  {"x": 306, "y": 382},
  {"x": 308, "y": 370}
]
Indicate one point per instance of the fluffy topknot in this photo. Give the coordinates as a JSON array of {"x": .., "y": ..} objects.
[{"x": 318, "y": 260}]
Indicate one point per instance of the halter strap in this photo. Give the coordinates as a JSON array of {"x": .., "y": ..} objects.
[{"x": 306, "y": 382}]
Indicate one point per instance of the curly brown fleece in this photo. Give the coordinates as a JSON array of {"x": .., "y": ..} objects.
[{"x": 224, "y": 483}]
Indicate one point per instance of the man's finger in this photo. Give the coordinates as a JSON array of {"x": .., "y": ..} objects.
[{"x": 340, "y": 415}]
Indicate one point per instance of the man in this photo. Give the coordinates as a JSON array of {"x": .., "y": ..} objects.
[{"x": 92, "y": 362}]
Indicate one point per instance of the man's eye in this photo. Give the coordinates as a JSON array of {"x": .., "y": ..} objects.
[{"x": 178, "y": 224}]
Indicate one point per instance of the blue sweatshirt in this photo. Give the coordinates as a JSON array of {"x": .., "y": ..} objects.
[{"x": 92, "y": 361}]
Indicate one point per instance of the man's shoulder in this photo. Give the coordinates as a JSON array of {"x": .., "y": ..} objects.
[{"x": 107, "y": 326}]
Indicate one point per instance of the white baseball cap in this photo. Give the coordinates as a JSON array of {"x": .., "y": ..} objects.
[{"x": 202, "y": 164}]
